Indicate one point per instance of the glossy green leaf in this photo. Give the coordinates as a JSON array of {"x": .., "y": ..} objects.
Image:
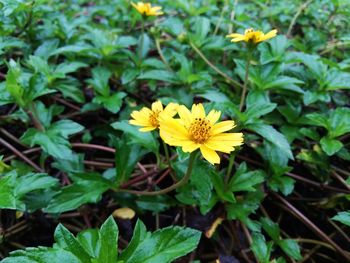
[{"x": 343, "y": 217}]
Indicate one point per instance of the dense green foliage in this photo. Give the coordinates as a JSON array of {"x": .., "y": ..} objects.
[{"x": 71, "y": 72}]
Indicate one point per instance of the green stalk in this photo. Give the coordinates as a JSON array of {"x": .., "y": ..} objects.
[
  {"x": 229, "y": 169},
  {"x": 142, "y": 39},
  {"x": 245, "y": 85},
  {"x": 180, "y": 183},
  {"x": 167, "y": 157}
]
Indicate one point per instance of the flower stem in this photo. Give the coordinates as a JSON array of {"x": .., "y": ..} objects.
[
  {"x": 230, "y": 166},
  {"x": 167, "y": 157},
  {"x": 180, "y": 183},
  {"x": 161, "y": 55},
  {"x": 216, "y": 69},
  {"x": 142, "y": 39},
  {"x": 244, "y": 91}
]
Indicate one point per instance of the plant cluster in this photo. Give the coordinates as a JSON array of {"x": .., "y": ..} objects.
[{"x": 222, "y": 127}]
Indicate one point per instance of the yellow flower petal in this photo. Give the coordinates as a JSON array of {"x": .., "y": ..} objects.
[
  {"x": 157, "y": 106},
  {"x": 235, "y": 35},
  {"x": 252, "y": 36},
  {"x": 210, "y": 155},
  {"x": 232, "y": 139},
  {"x": 138, "y": 122},
  {"x": 198, "y": 111},
  {"x": 173, "y": 132},
  {"x": 220, "y": 146},
  {"x": 189, "y": 146},
  {"x": 222, "y": 127},
  {"x": 196, "y": 130},
  {"x": 269, "y": 35},
  {"x": 171, "y": 109},
  {"x": 147, "y": 9},
  {"x": 214, "y": 116},
  {"x": 185, "y": 115},
  {"x": 147, "y": 129}
]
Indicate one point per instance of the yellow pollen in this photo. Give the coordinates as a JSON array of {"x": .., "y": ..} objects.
[
  {"x": 199, "y": 130},
  {"x": 153, "y": 118}
]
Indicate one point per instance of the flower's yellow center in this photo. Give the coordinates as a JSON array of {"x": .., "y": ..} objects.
[
  {"x": 153, "y": 118},
  {"x": 199, "y": 130},
  {"x": 252, "y": 36}
]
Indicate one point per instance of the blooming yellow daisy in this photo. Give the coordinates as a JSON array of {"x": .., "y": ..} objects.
[
  {"x": 149, "y": 118},
  {"x": 196, "y": 130},
  {"x": 147, "y": 9},
  {"x": 252, "y": 36}
]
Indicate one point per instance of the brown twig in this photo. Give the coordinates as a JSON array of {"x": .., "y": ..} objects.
[
  {"x": 20, "y": 155},
  {"x": 295, "y": 212}
]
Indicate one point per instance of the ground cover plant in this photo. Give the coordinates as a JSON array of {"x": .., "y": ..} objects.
[{"x": 174, "y": 131}]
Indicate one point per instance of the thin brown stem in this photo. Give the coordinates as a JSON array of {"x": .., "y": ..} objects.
[
  {"x": 94, "y": 146},
  {"x": 295, "y": 212},
  {"x": 180, "y": 183},
  {"x": 20, "y": 155}
]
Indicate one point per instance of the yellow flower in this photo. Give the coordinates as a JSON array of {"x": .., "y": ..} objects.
[
  {"x": 196, "y": 130},
  {"x": 252, "y": 36},
  {"x": 149, "y": 118},
  {"x": 147, "y": 9}
]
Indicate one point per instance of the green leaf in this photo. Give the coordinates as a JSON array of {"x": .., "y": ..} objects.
[
  {"x": 68, "y": 242},
  {"x": 129, "y": 75},
  {"x": 271, "y": 228},
  {"x": 291, "y": 248},
  {"x": 66, "y": 127},
  {"x": 68, "y": 67},
  {"x": 221, "y": 188},
  {"x": 162, "y": 75},
  {"x": 14, "y": 188},
  {"x": 261, "y": 248},
  {"x": 51, "y": 142},
  {"x": 284, "y": 184},
  {"x": 100, "y": 78},
  {"x": 199, "y": 189},
  {"x": 144, "y": 139},
  {"x": 343, "y": 217},
  {"x": 330, "y": 146},
  {"x": 273, "y": 136},
  {"x": 87, "y": 188},
  {"x": 255, "y": 111},
  {"x": 339, "y": 120},
  {"x": 337, "y": 80},
  {"x": 201, "y": 29},
  {"x": 140, "y": 234},
  {"x": 126, "y": 157},
  {"x": 164, "y": 245},
  {"x": 12, "y": 83},
  {"x": 8, "y": 198},
  {"x": 111, "y": 102},
  {"x": 109, "y": 241},
  {"x": 90, "y": 241},
  {"x": 41, "y": 255},
  {"x": 245, "y": 181},
  {"x": 54, "y": 139},
  {"x": 245, "y": 206}
]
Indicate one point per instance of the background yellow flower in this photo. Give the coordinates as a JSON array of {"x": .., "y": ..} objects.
[
  {"x": 196, "y": 130},
  {"x": 147, "y": 9},
  {"x": 252, "y": 36},
  {"x": 149, "y": 118}
]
